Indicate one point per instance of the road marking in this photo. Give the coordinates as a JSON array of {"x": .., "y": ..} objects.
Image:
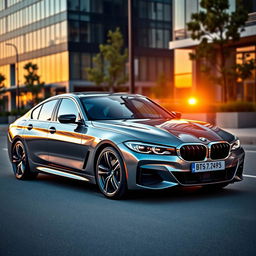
[
  {"x": 249, "y": 176},
  {"x": 250, "y": 151},
  {"x": 5, "y": 149}
]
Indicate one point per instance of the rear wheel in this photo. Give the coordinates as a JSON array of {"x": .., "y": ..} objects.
[
  {"x": 20, "y": 162},
  {"x": 110, "y": 173}
]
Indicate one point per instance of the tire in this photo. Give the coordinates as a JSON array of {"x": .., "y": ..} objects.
[
  {"x": 110, "y": 173},
  {"x": 20, "y": 162}
]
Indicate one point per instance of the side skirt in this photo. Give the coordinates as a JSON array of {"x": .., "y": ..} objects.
[{"x": 65, "y": 174}]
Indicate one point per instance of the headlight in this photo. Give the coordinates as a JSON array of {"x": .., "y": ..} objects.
[
  {"x": 236, "y": 144},
  {"x": 146, "y": 148}
]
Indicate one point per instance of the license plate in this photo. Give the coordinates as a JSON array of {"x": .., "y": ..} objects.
[{"x": 208, "y": 166}]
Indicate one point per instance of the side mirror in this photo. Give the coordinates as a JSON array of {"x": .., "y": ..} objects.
[
  {"x": 67, "y": 119},
  {"x": 176, "y": 114}
]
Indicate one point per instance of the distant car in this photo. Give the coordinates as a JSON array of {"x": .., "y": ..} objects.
[{"x": 121, "y": 141}]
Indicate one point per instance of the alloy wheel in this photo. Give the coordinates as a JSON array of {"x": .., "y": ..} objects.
[
  {"x": 109, "y": 172},
  {"x": 19, "y": 160}
]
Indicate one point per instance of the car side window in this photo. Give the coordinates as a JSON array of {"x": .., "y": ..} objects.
[
  {"x": 68, "y": 106},
  {"x": 36, "y": 112},
  {"x": 46, "y": 111}
]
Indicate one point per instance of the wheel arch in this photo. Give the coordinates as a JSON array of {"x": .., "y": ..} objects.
[
  {"x": 100, "y": 147},
  {"x": 12, "y": 143}
]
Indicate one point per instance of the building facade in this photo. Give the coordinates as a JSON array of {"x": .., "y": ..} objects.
[
  {"x": 63, "y": 36},
  {"x": 188, "y": 78}
]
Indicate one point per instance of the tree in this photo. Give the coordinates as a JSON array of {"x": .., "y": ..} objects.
[
  {"x": 242, "y": 71},
  {"x": 2, "y": 78},
  {"x": 32, "y": 81},
  {"x": 110, "y": 63},
  {"x": 2, "y": 86},
  {"x": 215, "y": 27},
  {"x": 161, "y": 90}
]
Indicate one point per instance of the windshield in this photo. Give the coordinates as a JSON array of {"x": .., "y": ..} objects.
[{"x": 122, "y": 107}]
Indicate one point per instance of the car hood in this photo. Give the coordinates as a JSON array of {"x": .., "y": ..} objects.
[{"x": 167, "y": 132}]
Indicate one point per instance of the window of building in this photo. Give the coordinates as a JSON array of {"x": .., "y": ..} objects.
[
  {"x": 143, "y": 9},
  {"x": 143, "y": 69},
  {"x": 74, "y": 65},
  {"x": 182, "y": 69},
  {"x": 97, "y": 6},
  {"x": 246, "y": 89},
  {"x": 73, "y": 5},
  {"x": 97, "y": 35},
  {"x": 73, "y": 31},
  {"x": 152, "y": 76},
  {"x": 191, "y": 7},
  {"x": 249, "y": 5},
  {"x": 12, "y": 74},
  {"x": 2, "y": 5},
  {"x": 85, "y": 5},
  {"x": 47, "y": 110},
  {"x": 84, "y": 32},
  {"x": 85, "y": 63}
]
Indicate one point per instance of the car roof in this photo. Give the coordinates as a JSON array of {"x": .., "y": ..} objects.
[{"x": 87, "y": 94}]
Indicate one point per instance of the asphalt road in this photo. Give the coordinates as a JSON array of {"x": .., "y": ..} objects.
[{"x": 57, "y": 216}]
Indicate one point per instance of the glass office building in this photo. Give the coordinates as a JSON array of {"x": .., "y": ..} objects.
[
  {"x": 62, "y": 37},
  {"x": 188, "y": 78}
]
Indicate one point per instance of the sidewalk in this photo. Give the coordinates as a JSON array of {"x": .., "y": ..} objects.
[{"x": 246, "y": 135}]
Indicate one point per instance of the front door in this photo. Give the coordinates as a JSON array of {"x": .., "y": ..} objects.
[{"x": 65, "y": 140}]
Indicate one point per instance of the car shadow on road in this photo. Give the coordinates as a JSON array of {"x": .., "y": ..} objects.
[
  {"x": 146, "y": 196},
  {"x": 182, "y": 194}
]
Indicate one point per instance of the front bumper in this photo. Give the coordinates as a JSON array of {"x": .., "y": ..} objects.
[{"x": 163, "y": 171}]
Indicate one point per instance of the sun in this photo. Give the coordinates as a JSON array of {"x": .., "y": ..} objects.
[{"x": 192, "y": 101}]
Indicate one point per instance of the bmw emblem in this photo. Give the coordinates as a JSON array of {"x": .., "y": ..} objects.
[{"x": 202, "y": 139}]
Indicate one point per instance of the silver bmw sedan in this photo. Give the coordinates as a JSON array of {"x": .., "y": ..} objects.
[{"x": 121, "y": 141}]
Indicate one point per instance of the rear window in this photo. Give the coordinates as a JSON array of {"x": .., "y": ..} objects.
[
  {"x": 36, "y": 112},
  {"x": 46, "y": 111}
]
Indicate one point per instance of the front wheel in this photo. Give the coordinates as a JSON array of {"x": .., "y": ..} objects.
[
  {"x": 110, "y": 173},
  {"x": 20, "y": 162}
]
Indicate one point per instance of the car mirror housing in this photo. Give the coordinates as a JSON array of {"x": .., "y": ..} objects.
[
  {"x": 176, "y": 114},
  {"x": 66, "y": 119}
]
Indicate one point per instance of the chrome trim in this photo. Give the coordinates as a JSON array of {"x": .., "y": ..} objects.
[
  {"x": 189, "y": 144},
  {"x": 217, "y": 142},
  {"x": 208, "y": 151},
  {"x": 60, "y": 173}
]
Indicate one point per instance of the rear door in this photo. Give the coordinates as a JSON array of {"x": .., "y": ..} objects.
[
  {"x": 65, "y": 140},
  {"x": 36, "y": 132}
]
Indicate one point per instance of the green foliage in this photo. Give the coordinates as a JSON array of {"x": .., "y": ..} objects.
[
  {"x": 244, "y": 70},
  {"x": 14, "y": 112},
  {"x": 161, "y": 90},
  {"x": 237, "y": 106},
  {"x": 32, "y": 81},
  {"x": 214, "y": 27},
  {"x": 109, "y": 63}
]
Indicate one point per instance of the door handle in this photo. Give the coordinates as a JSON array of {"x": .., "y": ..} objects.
[
  {"x": 30, "y": 126},
  {"x": 52, "y": 130}
]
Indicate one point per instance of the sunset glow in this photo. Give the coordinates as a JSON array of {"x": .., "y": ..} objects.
[{"x": 192, "y": 101}]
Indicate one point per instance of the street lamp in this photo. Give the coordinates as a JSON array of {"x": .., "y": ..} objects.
[
  {"x": 131, "y": 46},
  {"x": 17, "y": 74}
]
